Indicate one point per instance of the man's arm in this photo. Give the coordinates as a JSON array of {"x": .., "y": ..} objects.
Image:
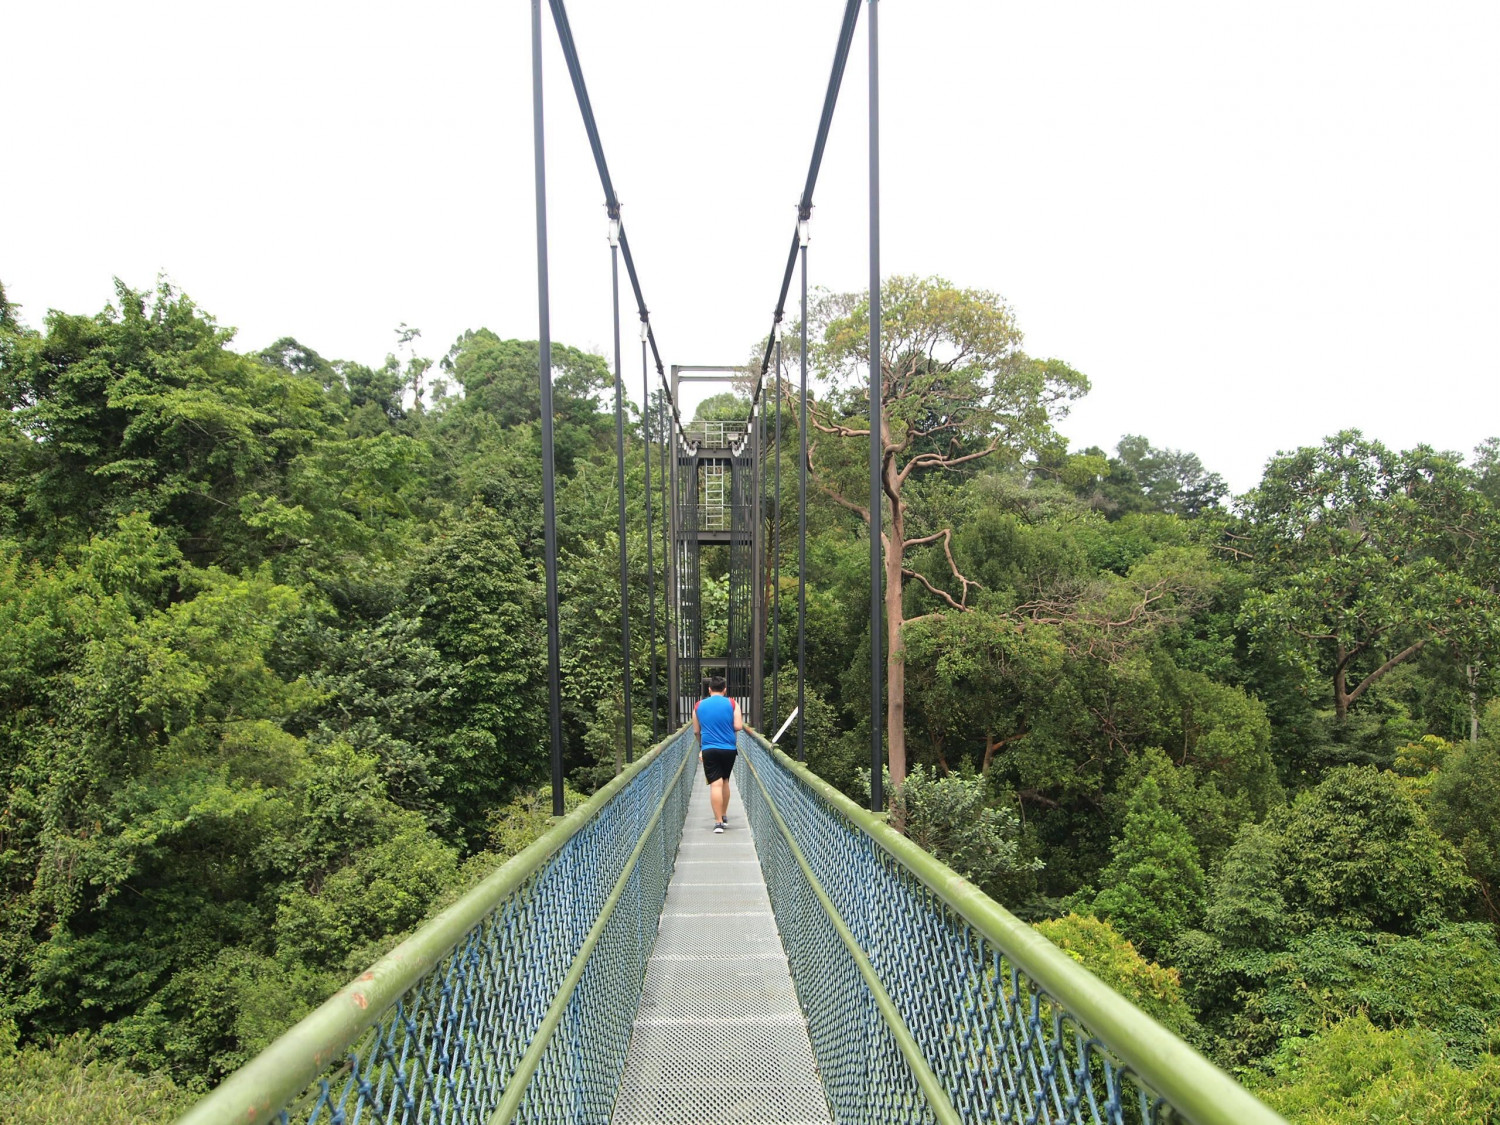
[{"x": 739, "y": 719}]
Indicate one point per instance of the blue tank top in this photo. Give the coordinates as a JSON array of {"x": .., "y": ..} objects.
[{"x": 716, "y": 717}]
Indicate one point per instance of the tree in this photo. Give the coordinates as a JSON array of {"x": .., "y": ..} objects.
[
  {"x": 1247, "y": 908},
  {"x": 955, "y": 389},
  {"x": 1099, "y": 948},
  {"x": 8, "y": 321},
  {"x": 1358, "y": 852},
  {"x": 1366, "y": 557},
  {"x": 144, "y": 407},
  {"x": 1154, "y": 886},
  {"x": 949, "y": 817},
  {"x": 1465, "y": 808},
  {"x": 1140, "y": 478},
  {"x": 481, "y": 611},
  {"x": 1173, "y": 481},
  {"x": 727, "y": 406},
  {"x": 1357, "y": 1073},
  {"x": 1446, "y": 980}
]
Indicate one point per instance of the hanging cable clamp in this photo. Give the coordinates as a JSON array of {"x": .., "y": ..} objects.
[
  {"x": 645, "y": 330},
  {"x": 804, "y": 224},
  {"x": 776, "y": 330},
  {"x": 613, "y": 211}
]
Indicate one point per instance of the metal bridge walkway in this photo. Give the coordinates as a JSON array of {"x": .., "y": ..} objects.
[{"x": 719, "y": 1035}]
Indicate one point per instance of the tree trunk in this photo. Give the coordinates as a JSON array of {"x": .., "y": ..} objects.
[
  {"x": 1473, "y": 703},
  {"x": 1341, "y": 686}
]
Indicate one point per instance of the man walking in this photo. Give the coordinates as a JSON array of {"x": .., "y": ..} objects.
[{"x": 715, "y": 721}]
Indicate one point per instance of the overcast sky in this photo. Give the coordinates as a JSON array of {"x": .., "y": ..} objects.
[{"x": 1250, "y": 225}]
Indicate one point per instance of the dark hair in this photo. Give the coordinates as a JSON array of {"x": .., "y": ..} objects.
[{"x": 716, "y": 683}]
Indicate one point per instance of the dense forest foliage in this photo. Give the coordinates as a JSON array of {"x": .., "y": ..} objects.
[{"x": 274, "y": 689}]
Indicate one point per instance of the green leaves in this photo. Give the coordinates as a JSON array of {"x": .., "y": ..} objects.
[
  {"x": 950, "y": 817},
  {"x": 1367, "y": 556},
  {"x": 1154, "y": 886},
  {"x": 1359, "y": 853},
  {"x": 1357, "y": 1073}
]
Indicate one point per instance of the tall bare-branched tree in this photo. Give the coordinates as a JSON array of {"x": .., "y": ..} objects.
[{"x": 956, "y": 389}]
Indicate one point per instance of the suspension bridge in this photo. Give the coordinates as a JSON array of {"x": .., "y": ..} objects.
[{"x": 809, "y": 965}]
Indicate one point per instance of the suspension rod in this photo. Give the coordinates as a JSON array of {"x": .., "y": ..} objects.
[
  {"x": 802, "y": 519},
  {"x": 877, "y": 798},
  {"x": 650, "y": 561},
  {"x": 805, "y": 203},
  {"x": 614, "y": 272},
  {"x": 776, "y": 554},
  {"x": 544, "y": 363}
]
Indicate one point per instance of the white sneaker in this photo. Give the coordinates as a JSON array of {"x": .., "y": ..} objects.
[{"x": 719, "y": 828}]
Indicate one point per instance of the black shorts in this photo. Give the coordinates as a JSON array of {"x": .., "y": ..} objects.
[{"x": 718, "y": 765}]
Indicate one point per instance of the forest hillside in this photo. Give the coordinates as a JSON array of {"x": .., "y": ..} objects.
[{"x": 272, "y": 653}]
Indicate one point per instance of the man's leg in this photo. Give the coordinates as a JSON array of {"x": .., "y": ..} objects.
[{"x": 718, "y": 795}]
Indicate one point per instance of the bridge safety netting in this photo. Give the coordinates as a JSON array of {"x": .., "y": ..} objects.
[
  {"x": 515, "y": 1004},
  {"x": 926, "y": 1001}
]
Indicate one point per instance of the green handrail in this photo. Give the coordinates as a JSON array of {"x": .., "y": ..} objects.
[
  {"x": 927, "y": 1081},
  {"x": 1192, "y": 1085},
  {"x": 516, "y": 1091},
  {"x": 285, "y": 1069}
]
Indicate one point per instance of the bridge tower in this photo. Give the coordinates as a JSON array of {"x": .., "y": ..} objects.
[{"x": 716, "y": 500}]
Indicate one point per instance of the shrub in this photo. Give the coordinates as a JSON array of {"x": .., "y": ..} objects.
[
  {"x": 1356, "y": 1073},
  {"x": 1154, "y": 886},
  {"x": 1099, "y": 948},
  {"x": 67, "y": 1082}
]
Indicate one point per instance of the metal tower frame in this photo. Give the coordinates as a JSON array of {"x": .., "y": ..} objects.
[{"x": 717, "y": 498}]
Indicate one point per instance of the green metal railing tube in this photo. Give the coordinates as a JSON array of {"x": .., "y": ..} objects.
[
  {"x": 280, "y": 1073},
  {"x": 1194, "y": 1087},
  {"x": 520, "y": 1078},
  {"x": 931, "y": 1086}
]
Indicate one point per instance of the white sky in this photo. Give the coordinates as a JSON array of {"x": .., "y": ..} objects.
[{"x": 1249, "y": 224}]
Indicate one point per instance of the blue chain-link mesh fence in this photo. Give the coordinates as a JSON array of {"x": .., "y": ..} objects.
[
  {"x": 1001, "y": 1048},
  {"x": 448, "y": 1049}
]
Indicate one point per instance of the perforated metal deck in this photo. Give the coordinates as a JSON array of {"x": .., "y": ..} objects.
[{"x": 719, "y": 1036}]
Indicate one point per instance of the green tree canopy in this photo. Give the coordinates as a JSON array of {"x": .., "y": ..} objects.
[{"x": 1154, "y": 886}]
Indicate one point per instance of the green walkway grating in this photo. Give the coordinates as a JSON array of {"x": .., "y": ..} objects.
[{"x": 719, "y": 1035}]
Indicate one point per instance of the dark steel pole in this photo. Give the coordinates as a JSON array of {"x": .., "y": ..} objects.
[
  {"x": 650, "y": 561},
  {"x": 544, "y": 364},
  {"x": 802, "y": 520},
  {"x": 776, "y": 556},
  {"x": 877, "y": 798},
  {"x": 670, "y": 561},
  {"x": 614, "y": 275}
]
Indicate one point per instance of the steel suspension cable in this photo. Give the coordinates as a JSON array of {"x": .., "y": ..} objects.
[
  {"x": 611, "y": 200},
  {"x": 805, "y": 203}
]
